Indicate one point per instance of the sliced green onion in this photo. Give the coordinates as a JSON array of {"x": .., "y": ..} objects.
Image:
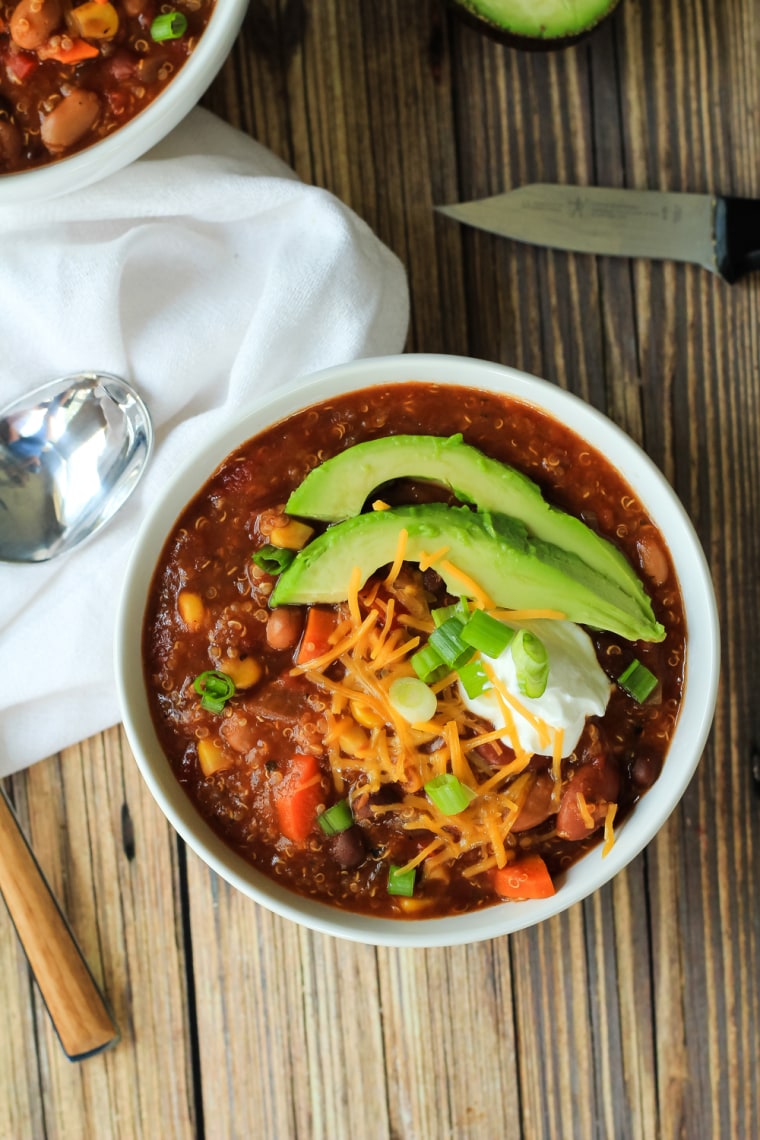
[
  {"x": 459, "y": 610},
  {"x": 273, "y": 559},
  {"x": 168, "y": 26},
  {"x": 428, "y": 665},
  {"x": 401, "y": 882},
  {"x": 473, "y": 677},
  {"x": 531, "y": 663},
  {"x": 638, "y": 681},
  {"x": 487, "y": 634},
  {"x": 442, "y": 614},
  {"x": 448, "y": 644},
  {"x": 449, "y": 794},
  {"x": 336, "y": 818},
  {"x": 412, "y": 698},
  {"x": 215, "y": 689}
]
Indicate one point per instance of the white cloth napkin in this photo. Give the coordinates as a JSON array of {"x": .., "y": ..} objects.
[{"x": 207, "y": 274}]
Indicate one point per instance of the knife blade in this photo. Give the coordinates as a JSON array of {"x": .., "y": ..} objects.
[{"x": 718, "y": 233}]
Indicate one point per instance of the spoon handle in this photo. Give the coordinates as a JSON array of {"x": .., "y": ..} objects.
[{"x": 77, "y": 1009}]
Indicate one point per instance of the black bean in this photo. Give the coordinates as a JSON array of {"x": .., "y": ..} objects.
[
  {"x": 348, "y": 847},
  {"x": 645, "y": 770}
]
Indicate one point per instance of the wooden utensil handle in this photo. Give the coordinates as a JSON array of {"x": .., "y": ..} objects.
[{"x": 77, "y": 1008}]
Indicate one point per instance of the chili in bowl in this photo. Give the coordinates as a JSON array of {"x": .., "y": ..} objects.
[
  {"x": 86, "y": 87},
  {"x": 406, "y": 657}
]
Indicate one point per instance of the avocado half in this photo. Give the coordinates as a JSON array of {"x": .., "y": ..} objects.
[
  {"x": 512, "y": 568},
  {"x": 337, "y": 489},
  {"x": 536, "y": 23}
]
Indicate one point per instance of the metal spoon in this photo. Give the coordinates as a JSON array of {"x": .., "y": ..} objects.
[{"x": 71, "y": 453}]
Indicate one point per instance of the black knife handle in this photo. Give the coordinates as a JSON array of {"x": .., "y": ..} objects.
[{"x": 737, "y": 237}]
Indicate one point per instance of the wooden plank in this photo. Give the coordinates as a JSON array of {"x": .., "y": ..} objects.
[
  {"x": 121, "y": 901},
  {"x": 449, "y": 1041},
  {"x": 284, "y": 1016},
  {"x": 635, "y": 1083},
  {"x": 553, "y": 1034}
]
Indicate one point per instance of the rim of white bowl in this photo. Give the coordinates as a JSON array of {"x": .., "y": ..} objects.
[
  {"x": 145, "y": 130},
  {"x": 593, "y": 870}
]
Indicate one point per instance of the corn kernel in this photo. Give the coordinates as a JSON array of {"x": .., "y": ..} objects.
[
  {"x": 412, "y": 905},
  {"x": 191, "y": 610},
  {"x": 244, "y": 673},
  {"x": 353, "y": 740},
  {"x": 211, "y": 757},
  {"x": 94, "y": 21},
  {"x": 365, "y": 715},
  {"x": 293, "y": 536}
]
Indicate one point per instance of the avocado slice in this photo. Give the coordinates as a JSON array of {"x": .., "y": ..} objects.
[
  {"x": 339, "y": 487},
  {"x": 494, "y": 551},
  {"x": 537, "y": 23}
]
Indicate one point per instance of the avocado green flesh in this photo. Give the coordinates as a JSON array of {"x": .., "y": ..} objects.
[
  {"x": 339, "y": 487},
  {"x": 514, "y": 570},
  {"x": 540, "y": 19}
]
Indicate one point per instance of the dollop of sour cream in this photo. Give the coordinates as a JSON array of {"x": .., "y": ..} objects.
[{"x": 577, "y": 687}]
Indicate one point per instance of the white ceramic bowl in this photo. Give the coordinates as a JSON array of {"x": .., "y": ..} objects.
[
  {"x": 138, "y": 135},
  {"x": 702, "y": 663}
]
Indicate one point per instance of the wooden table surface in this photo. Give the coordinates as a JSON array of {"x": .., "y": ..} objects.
[{"x": 637, "y": 1012}]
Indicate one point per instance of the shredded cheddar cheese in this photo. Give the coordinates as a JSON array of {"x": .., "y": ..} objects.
[
  {"x": 585, "y": 814},
  {"x": 506, "y": 705},
  {"x": 609, "y": 835},
  {"x": 432, "y": 847},
  {"x": 543, "y": 729},
  {"x": 428, "y": 560},
  {"x": 483, "y": 738},
  {"x": 354, "y": 584},
  {"x": 459, "y": 765},
  {"x": 397, "y": 652},
  {"x": 403, "y": 538},
  {"x": 369, "y": 745},
  {"x": 559, "y": 736},
  {"x": 469, "y": 586},
  {"x": 342, "y": 647},
  {"x": 505, "y": 773},
  {"x": 528, "y": 615},
  {"x": 387, "y": 625}
]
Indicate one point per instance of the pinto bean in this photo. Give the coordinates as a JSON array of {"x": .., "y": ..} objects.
[
  {"x": 654, "y": 561},
  {"x": 240, "y": 733},
  {"x": 495, "y": 753},
  {"x": 284, "y": 627},
  {"x": 10, "y": 142},
  {"x": 538, "y": 804},
  {"x": 34, "y": 21},
  {"x": 599, "y": 784},
  {"x": 70, "y": 121}
]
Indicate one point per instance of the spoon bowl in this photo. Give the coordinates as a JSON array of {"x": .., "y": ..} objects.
[{"x": 71, "y": 453}]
